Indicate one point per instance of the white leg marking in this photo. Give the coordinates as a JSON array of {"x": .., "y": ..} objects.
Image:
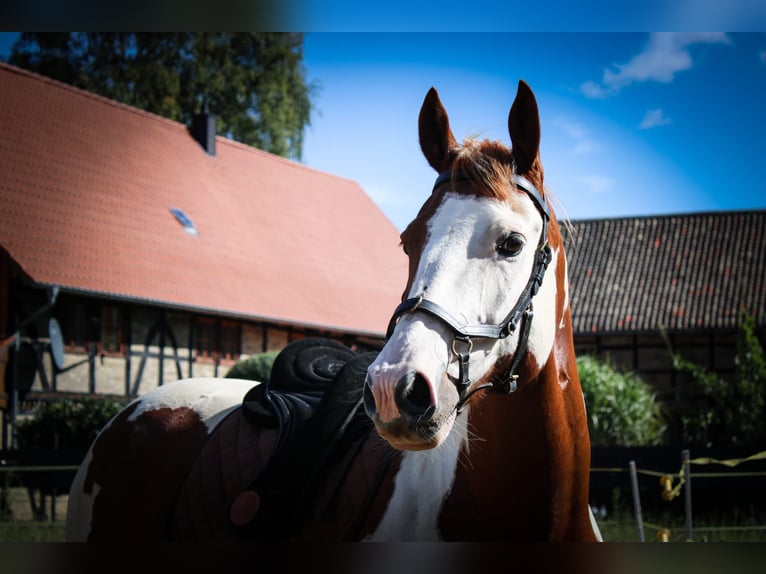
[
  {"x": 79, "y": 512},
  {"x": 424, "y": 480},
  {"x": 594, "y": 525}
]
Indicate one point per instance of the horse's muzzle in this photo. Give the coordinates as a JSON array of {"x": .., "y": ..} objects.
[
  {"x": 412, "y": 426},
  {"x": 413, "y": 397}
]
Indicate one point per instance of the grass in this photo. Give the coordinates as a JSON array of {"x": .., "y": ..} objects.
[
  {"x": 620, "y": 528},
  {"x": 729, "y": 526},
  {"x": 32, "y": 531},
  {"x": 713, "y": 522}
]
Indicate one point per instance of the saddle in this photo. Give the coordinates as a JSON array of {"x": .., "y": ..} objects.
[{"x": 299, "y": 459}]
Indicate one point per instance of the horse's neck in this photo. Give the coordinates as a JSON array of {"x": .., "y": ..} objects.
[{"x": 526, "y": 468}]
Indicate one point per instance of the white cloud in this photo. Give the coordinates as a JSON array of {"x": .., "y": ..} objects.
[
  {"x": 653, "y": 119},
  {"x": 583, "y": 142},
  {"x": 597, "y": 184},
  {"x": 591, "y": 89},
  {"x": 664, "y": 56}
]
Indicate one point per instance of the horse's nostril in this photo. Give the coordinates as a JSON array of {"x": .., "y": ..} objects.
[
  {"x": 413, "y": 396},
  {"x": 368, "y": 399}
]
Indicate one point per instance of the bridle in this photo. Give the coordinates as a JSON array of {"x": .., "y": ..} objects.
[{"x": 519, "y": 316}]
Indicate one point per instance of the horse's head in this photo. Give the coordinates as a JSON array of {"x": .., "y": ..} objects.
[{"x": 479, "y": 253}]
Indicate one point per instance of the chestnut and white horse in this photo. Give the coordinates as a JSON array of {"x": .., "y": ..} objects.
[{"x": 474, "y": 399}]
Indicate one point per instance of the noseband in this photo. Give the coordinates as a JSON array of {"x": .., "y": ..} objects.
[{"x": 519, "y": 316}]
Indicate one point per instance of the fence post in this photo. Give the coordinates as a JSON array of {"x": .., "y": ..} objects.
[
  {"x": 636, "y": 500},
  {"x": 687, "y": 494}
]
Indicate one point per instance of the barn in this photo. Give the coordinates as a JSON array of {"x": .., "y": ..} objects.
[
  {"x": 140, "y": 250},
  {"x": 643, "y": 286}
]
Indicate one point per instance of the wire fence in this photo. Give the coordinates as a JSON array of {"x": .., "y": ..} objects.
[
  {"x": 20, "y": 501},
  {"x": 673, "y": 485}
]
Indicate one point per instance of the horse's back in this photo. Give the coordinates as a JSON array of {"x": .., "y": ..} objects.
[{"x": 127, "y": 485}]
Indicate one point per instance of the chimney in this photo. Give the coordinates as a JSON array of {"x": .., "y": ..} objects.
[{"x": 203, "y": 130}]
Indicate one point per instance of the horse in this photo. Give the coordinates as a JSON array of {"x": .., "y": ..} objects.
[{"x": 468, "y": 425}]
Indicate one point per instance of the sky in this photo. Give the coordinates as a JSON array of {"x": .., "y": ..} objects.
[{"x": 632, "y": 123}]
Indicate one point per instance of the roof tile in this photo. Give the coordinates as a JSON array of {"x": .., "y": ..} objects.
[
  {"x": 680, "y": 272},
  {"x": 86, "y": 190}
]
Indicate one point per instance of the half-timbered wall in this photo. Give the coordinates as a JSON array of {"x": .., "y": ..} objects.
[{"x": 122, "y": 349}]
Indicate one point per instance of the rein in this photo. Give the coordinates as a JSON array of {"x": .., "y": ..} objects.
[{"x": 519, "y": 317}]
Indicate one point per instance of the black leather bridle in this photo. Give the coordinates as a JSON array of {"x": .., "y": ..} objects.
[{"x": 519, "y": 316}]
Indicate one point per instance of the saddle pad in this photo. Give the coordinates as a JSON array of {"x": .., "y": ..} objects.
[
  {"x": 230, "y": 461},
  {"x": 346, "y": 505},
  {"x": 298, "y": 458}
]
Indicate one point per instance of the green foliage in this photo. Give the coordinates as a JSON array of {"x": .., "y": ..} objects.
[
  {"x": 715, "y": 412},
  {"x": 255, "y": 367},
  {"x": 253, "y": 82},
  {"x": 622, "y": 410},
  {"x": 67, "y": 423}
]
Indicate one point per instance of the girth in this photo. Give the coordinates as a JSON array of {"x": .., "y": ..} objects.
[{"x": 519, "y": 316}]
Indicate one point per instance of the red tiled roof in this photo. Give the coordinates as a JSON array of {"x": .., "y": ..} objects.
[
  {"x": 85, "y": 193},
  {"x": 680, "y": 272}
]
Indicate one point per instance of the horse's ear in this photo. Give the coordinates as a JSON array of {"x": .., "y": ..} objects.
[
  {"x": 524, "y": 127},
  {"x": 436, "y": 138}
]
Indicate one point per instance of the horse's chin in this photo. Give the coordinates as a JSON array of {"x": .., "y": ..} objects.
[{"x": 422, "y": 436}]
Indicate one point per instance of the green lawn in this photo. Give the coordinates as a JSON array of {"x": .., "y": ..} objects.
[
  {"x": 732, "y": 526},
  {"x": 32, "y": 531},
  {"x": 616, "y": 530}
]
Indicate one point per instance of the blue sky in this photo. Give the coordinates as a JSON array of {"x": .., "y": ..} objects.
[{"x": 632, "y": 123}]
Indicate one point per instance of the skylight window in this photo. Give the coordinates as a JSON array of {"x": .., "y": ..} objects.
[{"x": 184, "y": 220}]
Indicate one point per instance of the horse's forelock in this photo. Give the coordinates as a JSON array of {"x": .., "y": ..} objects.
[{"x": 489, "y": 164}]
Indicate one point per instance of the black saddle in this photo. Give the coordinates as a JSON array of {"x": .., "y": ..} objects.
[{"x": 314, "y": 400}]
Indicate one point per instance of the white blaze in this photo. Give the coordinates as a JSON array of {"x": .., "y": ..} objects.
[{"x": 461, "y": 270}]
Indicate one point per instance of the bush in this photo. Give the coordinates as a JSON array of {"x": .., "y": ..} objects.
[
  {"x": 66, "y": 424},
  {"x": 255, "y": 367},
  {"x": 622, "y": 410},
  {"x": 714, "y": 412}
]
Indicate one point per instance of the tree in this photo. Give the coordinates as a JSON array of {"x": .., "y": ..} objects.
[{"x": 253, "y": 82}]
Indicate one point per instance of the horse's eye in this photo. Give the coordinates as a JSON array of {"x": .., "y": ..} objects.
[{"x": 510, "y": 245}]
